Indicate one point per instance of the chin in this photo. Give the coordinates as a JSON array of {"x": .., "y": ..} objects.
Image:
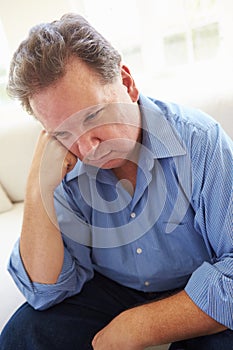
[{"x": 111, "y": 164}]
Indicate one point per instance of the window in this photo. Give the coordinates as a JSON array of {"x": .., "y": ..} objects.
[
  {"x": 195, "y": 35},
  {"x": 206, "y": 41},
  {"x": 175, "y": 49}
]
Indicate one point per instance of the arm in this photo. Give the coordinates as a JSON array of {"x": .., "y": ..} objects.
[
  {"x": 205, "y": 307},
  {"x": 41, "y": 245},
  {"x": 156, "y": 323},
  {"x": 35, "y": 263}
]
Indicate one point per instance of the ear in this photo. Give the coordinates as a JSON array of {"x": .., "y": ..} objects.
[{"x": 129, "y": 83}]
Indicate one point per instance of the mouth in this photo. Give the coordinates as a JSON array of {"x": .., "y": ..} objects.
[{"x": 98, "y": 160}]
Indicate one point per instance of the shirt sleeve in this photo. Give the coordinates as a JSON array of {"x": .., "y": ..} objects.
[
  {"x": 211, "y": 285},
  {"x": 77, "y": 265},
  {"x": 41, "y": 296}
]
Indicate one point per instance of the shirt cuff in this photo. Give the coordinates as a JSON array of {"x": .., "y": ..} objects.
[
  {"x": 39, "y": 295},
  {"x": 211, "y": 291}
]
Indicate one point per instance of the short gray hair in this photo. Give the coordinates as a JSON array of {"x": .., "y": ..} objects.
[{"x": 42, "y": 58}]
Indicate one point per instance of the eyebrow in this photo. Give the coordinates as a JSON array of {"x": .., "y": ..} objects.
[
  {"x": 93, "y": 113},
  {"x": 56, "y": 133}
]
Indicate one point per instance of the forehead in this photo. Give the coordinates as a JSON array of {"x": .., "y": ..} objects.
[{"x": 77, "y": 91}]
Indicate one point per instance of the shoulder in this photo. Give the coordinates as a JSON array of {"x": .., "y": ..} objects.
[
  {"x": 197, "y": 130},
  {"x": 181, "y": 116}
]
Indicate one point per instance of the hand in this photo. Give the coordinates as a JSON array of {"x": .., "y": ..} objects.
[
  {"x": 124, "y": 332},
  {"x": 51, "y": 162}
]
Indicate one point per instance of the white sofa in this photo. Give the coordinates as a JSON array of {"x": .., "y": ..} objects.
[{"x": 17, "y": 141}]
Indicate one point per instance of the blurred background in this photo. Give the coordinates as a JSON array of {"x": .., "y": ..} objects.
[{"x": 178, "y": 50}]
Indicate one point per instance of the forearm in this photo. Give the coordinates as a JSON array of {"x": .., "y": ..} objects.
[
  {"x": 172, "y": 319},
  {"x": 41, "y": 245},
  {"x": 156, "y": 323}
]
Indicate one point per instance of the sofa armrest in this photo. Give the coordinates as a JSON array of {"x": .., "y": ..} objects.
[{"x": 17, "y": 140}]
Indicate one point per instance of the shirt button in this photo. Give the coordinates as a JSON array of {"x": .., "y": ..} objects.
[
  {"x": 147, "y": 283},
  {"x": 133, "y": 215},
  {"x": 139, "y": 250}
]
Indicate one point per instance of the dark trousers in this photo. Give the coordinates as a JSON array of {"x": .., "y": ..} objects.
[{"x": 73, "y": 323}]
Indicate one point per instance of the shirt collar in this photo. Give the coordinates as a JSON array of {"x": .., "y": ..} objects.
[{"x": 158, "y": 135}]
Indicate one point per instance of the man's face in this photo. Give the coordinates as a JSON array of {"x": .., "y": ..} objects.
[{"x": 98, "y": 123}]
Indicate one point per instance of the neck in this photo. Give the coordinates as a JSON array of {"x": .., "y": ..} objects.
[{"x": 127, "y": 174}]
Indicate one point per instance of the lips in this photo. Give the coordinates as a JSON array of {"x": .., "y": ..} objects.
[{"x": 97, "y": 159}]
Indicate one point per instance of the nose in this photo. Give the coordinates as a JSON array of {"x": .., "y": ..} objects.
[{"x": 87, "y": 145}]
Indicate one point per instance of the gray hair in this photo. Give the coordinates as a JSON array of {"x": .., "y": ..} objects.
[{"x": 42, "y": 58}]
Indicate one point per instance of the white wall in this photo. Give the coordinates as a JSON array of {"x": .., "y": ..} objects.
[
  {"x": 199, "y": 86},
  {"x": 18, "y": 16}
]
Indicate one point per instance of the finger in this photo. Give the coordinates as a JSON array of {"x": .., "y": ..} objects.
[{"x": 70, "y": 161}]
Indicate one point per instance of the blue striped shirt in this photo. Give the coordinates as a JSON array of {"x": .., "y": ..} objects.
[{"x": 176, "y": 230}]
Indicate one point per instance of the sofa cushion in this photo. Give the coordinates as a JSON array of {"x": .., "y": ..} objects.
[
  {"x": 17, "y": 140},
  {"x": 5, "y": 203},
  {"x": 10, "y": 228}
]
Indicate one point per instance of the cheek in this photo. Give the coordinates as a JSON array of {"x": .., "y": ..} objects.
[
  {"x": 72, "y": 147},
  {"x": 75, "y": 150},
  {"x": 129, "y": 134}
]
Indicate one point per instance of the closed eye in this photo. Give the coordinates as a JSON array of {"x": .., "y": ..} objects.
[
  {"x": 92, "y": 116},
  {"x": 61, "y": 135}
]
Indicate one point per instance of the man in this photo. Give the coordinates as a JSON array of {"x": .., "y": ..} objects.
[{"x": 127, "y": 234}]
